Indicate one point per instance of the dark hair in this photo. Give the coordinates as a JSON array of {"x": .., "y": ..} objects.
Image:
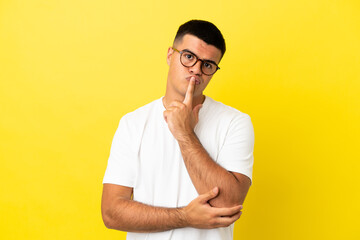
[{"x": 203, "y": 30}]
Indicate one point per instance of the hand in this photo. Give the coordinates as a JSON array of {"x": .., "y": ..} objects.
[
  {"x": 199, "y": 213},
  {"x": 180, "y": 116}
]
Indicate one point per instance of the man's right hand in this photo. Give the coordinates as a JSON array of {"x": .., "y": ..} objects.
[{"x": 200, "y": 214}]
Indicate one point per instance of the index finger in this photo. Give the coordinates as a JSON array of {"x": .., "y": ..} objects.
[{"x": 189, "y": 92}]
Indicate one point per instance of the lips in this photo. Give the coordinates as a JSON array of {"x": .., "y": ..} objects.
[{"x": 197, "y": 80}]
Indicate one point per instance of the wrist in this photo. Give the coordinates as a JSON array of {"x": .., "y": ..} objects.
[
  {"x": 182, "y": 213},
  {"x": 186, "y": 137}
]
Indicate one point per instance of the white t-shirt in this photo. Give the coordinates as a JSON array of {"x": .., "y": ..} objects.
[{"x": 145, "y": 156}]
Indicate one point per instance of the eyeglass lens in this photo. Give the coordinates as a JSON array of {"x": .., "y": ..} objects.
[{"x": 189, "y": 60}]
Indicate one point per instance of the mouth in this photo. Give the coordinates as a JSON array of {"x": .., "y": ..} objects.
[{"x": 197, "y": 80}]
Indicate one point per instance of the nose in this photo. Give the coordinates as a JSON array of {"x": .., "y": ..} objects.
[{"x": 196, "y": 69}]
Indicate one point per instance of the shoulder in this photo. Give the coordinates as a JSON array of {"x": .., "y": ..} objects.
[
  {"x": 224, "y": 112},
  {"x": 135, "y": 121},
  {"x": 141, "y": 113}
]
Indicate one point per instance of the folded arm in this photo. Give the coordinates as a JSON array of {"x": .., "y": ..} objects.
[
  {"x": 120, "y": 212},
  {"x": 204, "y": 172}
]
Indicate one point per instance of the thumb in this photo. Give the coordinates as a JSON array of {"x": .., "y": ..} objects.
[
  {"x": 196, "y": 111},
  {"x": 209, "y": 195}
]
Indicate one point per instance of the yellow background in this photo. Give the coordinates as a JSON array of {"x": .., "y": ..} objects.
[{"x": 70, "y": 69}]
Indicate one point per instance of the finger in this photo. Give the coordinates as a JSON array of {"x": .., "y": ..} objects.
[
  {"x": 227, "y": 211},
  {"x": 176, "y": 104},
  {"x": 209, "y": 195},
  {"x": 190, "y": 92},
  {"x": 227, "y": 221},
  {"x": 168, "y": 112},
  {"x": 171, "y": 109}
]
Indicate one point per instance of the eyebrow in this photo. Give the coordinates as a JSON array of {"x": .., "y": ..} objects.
[{"x": 208, "y": 60}]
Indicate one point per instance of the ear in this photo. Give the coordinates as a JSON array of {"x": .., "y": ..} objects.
[{"x": 169, "y": 54}]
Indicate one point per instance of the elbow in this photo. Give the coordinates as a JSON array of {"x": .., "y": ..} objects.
[
  {"x": 230, "y": 198},
  {"x": 239, "y": 197},
  {"x": 223, "y": 200},
  {"x": 108, "y": 217},
  {"x": 107, "y": 221},
  {"x": 112, "y": 222},
  {"x": 113, "y": 217},
  {"x": 107, "y": 224}
]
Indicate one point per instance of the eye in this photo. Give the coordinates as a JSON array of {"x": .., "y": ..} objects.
[
  {"x": 208, "y": 65},
  {"x": 189, "y": 56}
]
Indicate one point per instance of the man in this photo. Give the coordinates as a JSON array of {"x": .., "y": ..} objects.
[{"x": 181, "y": 166}]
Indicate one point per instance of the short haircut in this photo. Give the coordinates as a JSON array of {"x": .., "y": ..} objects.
[{"x": 203, "y": 30}]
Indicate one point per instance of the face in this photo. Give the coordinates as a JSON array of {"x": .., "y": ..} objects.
[{"x": 179, "y": 76}]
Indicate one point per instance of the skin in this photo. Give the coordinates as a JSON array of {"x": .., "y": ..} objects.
[
  {"x": 122, "y": 213},
  {"x": 221, "y": 192},
  {"x": 179, "y": 76}
]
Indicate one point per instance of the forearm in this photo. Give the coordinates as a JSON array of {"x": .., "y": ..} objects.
[
  {"x": 205, "y": 173},
  {"x": 131, "y": 216}
]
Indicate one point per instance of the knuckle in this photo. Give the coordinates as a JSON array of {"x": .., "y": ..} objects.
[
  {"x": 213, "y": 222},
  {"x": 227, "y": 223},
  {"x": 212, "y": 215}
]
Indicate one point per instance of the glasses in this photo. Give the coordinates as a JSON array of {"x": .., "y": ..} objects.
[{"x": 189, "y": 59}]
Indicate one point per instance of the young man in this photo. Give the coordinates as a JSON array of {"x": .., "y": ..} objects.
[{"x": 181, "y": 166}]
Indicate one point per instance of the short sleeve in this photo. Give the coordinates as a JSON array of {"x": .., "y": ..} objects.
[
  {"x": 121, "y": 163},
  {"x": 236, "y": 154}
]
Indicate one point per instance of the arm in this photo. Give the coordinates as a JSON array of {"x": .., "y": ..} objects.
[
  {"x": 120, "y": 212},
  {"x": 204, "y": 172}
]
